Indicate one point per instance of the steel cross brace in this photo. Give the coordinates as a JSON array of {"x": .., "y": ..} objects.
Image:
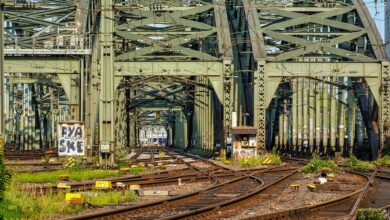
[
  {"x": 260, "y": 106},
  {"x": 310, "y": 46},
  {"x": 384, "y": 124},
  {"x": 174, "y": 19}
]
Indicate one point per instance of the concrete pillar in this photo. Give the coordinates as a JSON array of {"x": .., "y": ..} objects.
[
  {"x": 311, "y": 106},
  {"x": 210, "y": 121},
  {"x": 299, "y": 118},
  {"x": 342, "y": 128},
  {"x": 280, "y": 141},
  {"x": 325, "y": 120},
  {"x": 305, "y": 113},
  {"x": 285, "y": 131},
  {"x": 351, "y": 120},
  {"x": 318, "y": 119},
  {"x": 333, "y": 118},
  {"x": 342, "y": 124},
  {"x": 294, "y": 113}
]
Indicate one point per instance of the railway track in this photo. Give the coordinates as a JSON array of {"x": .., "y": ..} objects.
[
  {"x": 11, "y": 154},
  {"x": 378, "y": 194},
  {"x": 342, "y": 207},
  {"x": 186, "y": 205},
  {"x": 196, "y": 170}
]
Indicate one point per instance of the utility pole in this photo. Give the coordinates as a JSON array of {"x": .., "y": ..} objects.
[{"x": 387, "y": 27}]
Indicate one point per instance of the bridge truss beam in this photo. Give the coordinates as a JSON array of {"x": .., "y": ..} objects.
[{"x": 302, "y": 49}]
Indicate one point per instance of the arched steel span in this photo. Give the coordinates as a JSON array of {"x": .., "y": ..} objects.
[
  {"x": 320, "y": 73},
  {"x": 313, "y": 75}
]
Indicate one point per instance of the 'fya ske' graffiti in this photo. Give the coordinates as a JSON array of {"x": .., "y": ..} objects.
[{"x": 71, "y": 140}]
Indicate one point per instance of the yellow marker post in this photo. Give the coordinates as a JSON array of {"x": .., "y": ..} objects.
[
  {"x": 311, "y": 187},
  {"x": 70, "y": 196},
  {"x": 63, "y": 186},
  {"x": 267, "y": 161},
  {"x": 295, "y": 186},
  {"x": 103, "y": 185},
  {"x": 124, "y": 170},
  {"x": 223, "y": 154},
  {"x": 135, "y": 187}
]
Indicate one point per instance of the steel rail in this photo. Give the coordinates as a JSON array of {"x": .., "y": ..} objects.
[
  {"x": 310, "y": 208},
  {"x": 216, "y": 207},
  {"x": 177, "y": 198}
]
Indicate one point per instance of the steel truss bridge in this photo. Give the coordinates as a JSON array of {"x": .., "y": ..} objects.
[{"x": 312, "y": 75}]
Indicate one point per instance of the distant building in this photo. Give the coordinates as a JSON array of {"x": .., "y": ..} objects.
[{"x": 153, "y": 136}]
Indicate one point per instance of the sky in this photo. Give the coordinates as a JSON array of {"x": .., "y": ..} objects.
[{"x": 377, "y": 10}]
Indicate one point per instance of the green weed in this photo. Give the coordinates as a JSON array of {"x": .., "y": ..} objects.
[
  {"x": 316, "y": 164},
  {"x": 384, "y": 161},
  {"x": 357, "y": 165},
  {"x": 370, "y": 214},
  {"x": 19, "y": 204},
  {"x": 5, "y": 177},
  {"x": 254, "y": 160},
  {"x": 109, "y": 198},
  {"x": 138, "y": 169},
  {"x": 53, "y": 176}
]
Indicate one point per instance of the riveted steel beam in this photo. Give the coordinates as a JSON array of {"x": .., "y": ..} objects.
[
  {"x": 41, "y": 65},
  {"x": 304, "y": 41},
  {"x": 107, "y": 88}
]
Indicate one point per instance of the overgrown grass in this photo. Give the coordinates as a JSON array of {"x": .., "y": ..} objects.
[
  {"x": 371, "y": 214},
  {"x": 24, "y": 205},
  {"x": 53, "y": 176},
  {"x": 384, "y": 161},
  {"x": 316, "y": 164},
  {"x": 357, "y": 165},
  {"x": 248, "y": 161},
  {"x": 138, "y": 169},
  {"x": 5, "y": 177},
  {"x": 19, "y": 204},
  {"x": 254, "y": 160},
  {"x": 109, "y": 198}
]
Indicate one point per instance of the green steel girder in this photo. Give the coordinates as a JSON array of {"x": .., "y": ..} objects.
[
  {"x": 107, "y": 89},
  {"x": 41, "y": 65},
  {"x": 176, "y": 58},
  {"x": 45, "y": 39},
  {"x": 145, "y": 28},
  {"x": 168, "y": 88},
  {"x": 190, "y": 52},
  {"x": 281, "y": 28},
  {"x": 292, "y": 40},
  {"x": 36, "y": 25}
]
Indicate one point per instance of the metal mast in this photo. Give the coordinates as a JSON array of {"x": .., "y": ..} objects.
[{"x": 2, "y": 126}]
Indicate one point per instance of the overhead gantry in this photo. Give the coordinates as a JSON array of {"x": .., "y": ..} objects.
[
  {"x": 171, "y": 61},
  {"x": 320, "y": 75}
]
